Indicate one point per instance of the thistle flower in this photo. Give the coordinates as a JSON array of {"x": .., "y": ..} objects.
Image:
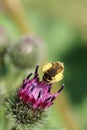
[{"x": 33, "y": 98}]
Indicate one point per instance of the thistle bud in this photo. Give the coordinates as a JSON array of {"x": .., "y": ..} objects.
[
  {"x": 25, "y": 52},
  {"x": 4, "y": 43},
  {"x": 30, "y": 103}
]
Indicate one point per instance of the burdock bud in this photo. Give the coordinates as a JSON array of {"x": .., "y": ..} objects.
[
  {"x": 25, "y": 52},
  {"x": 4, "y": 42},
  {"x": 28, "y": 106}
]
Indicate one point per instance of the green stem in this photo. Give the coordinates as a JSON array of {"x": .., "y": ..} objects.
[
  {"x": 1, "y": 61},
  {"x": 3, "y": 68},
  {"x": 14, "y": 128}
]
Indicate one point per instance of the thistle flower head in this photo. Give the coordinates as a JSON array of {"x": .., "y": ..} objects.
[
  {"x": 36, "y": 92},
  {"x": 31, "y": 101}
]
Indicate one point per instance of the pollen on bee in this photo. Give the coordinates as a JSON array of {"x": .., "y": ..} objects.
[
  {"x": 53, "y": 70},
  {"x": 46, "y": 66}
]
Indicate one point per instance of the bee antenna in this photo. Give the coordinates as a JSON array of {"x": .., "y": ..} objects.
[
  {"x": 61, "y": 88},
  {"x": 36, "y": 71}
]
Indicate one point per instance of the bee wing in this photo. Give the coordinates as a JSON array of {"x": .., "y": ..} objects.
[{"x": 57, "y": 78}]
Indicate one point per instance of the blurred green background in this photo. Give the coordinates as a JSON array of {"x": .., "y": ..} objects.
[{"x": 63, "y": 27}]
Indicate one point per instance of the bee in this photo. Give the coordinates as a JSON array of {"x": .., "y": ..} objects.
[{"x": 53, "y": 72}]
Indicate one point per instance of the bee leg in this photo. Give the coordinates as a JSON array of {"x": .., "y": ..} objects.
[
  {"x": 36, "y": 71},
  {"x": 61, "y": 88}
]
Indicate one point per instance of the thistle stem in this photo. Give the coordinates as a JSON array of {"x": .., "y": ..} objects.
[
  {"x": 16, "y": 11},
  {"x": 14, "y": 128},
  {"x": 1, "y": 61},
  {"x": 66, "y": 112}
]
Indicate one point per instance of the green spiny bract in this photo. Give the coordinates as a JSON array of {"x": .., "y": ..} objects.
[{"x": 23, "y": 115}]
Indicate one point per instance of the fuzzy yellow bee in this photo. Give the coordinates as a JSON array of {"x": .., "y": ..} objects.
[{"x": 53, "y": 72}]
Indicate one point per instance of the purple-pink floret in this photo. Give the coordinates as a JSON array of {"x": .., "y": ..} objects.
[{"x": 36, "y": 92}]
